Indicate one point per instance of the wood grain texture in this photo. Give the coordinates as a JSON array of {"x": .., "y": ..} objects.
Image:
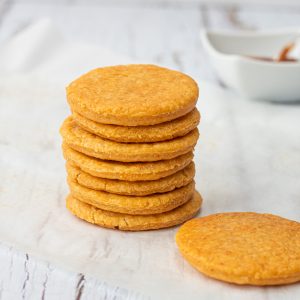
[
  {"x": 161, "y": 32},
  {"x": 23, "y": 277}
]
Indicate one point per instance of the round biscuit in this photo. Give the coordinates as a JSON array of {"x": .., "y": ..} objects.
[
  {"x": 132, "y": 171},
  {"x": 142, "y": 134},
  {"x": 90, "y": 144},
  {"x": 132, "y": 95},
  {"x": 243, "y": 247},
  {"x": 132, "y": 188},
  {"x": 134, "y": 205},
  {"x": 127, "y": 222}
]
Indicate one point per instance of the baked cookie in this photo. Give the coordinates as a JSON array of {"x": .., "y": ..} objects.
[
  {"x": 243, "y": 248},
  {"x": 132, "y": 95},
  {"x": 134, "y": 205},
  {"x": 126, "y": 171},
  {"x": 134, "y": 222},
  {"x": 133, "y": 188},
  {"x": 93, "y": 145},
  {"x": 142, "y": 134}
]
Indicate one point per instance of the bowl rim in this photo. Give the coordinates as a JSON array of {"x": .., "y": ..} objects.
[{"x": 204, "y": 35}]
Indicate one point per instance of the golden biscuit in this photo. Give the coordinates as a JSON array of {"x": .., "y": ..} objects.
[
  {"x": 93, "y": 145},
  {"x": 243, "y": 248},
  {"x": 132, "y": 95},
  {"x": 126, "y": 171},
  {"x": 133, "y": 188},
  {"x": 141, "y": 134},
  {"x": 134, "y": 222},
  {"x": 134, "y": 205}
]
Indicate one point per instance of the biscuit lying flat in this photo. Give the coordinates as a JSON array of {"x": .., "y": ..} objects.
[
  {"x": 137, "y": 222},
  {"x": 95, "y": 146},
  {"x": 134, "y": 205},
  {"x": 243, "y": 248},
  {"x": 126, "y": 171},
  {"x": 141, "y": 134},
  {"x": 133, "y": 188},
  {"x": 132, "y": 95}
]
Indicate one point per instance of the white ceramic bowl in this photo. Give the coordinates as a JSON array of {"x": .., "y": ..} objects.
[{"x": 251, "y": 77}]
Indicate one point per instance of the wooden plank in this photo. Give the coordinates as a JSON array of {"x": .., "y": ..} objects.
[
  {"x": 163, "y": 35},
  {"x": 194, "y": 3}
]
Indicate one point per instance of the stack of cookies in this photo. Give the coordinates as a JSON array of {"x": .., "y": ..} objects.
[{"x": 129, "y": 146}]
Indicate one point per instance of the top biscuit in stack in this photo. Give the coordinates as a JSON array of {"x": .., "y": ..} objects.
[
  {"x": 132, "y": 95},
  {"x": 139, "y": 118}
]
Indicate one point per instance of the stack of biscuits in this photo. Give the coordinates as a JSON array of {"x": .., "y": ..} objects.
[{"x": 129, "y": 146}]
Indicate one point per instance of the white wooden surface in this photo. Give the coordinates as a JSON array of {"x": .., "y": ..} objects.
[{"x": 161, "y": 32}]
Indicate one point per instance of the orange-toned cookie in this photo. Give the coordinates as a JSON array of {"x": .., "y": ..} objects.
[
  {"x": 132, "y": 95},
  {"x": 133, "y": 171},
  {"x": 133, "y": 188},
  {"x": 128, "y": 222},
  {"x": 85, "y": 142},
  {"x": 134, "y": 205},
  {"x": 243, "y": 248},
  {"x": 142, "y": 134}
]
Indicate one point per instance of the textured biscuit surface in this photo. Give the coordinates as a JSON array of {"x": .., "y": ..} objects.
[
  {"x": 134, "y": 188},
  {"x": 132, "y": 95},
  {"x": 134, "y": 222},
  {"x": 139, "y": 134},
  {"x": 95, "y": 146},
  {"x": 243, "y": 248},
  {"x": 134, "y": 205},
  {"x": 126, "y": 171}
]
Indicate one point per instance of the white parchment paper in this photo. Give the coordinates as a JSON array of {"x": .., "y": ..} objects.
[{"x": 248, "y": 159}]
